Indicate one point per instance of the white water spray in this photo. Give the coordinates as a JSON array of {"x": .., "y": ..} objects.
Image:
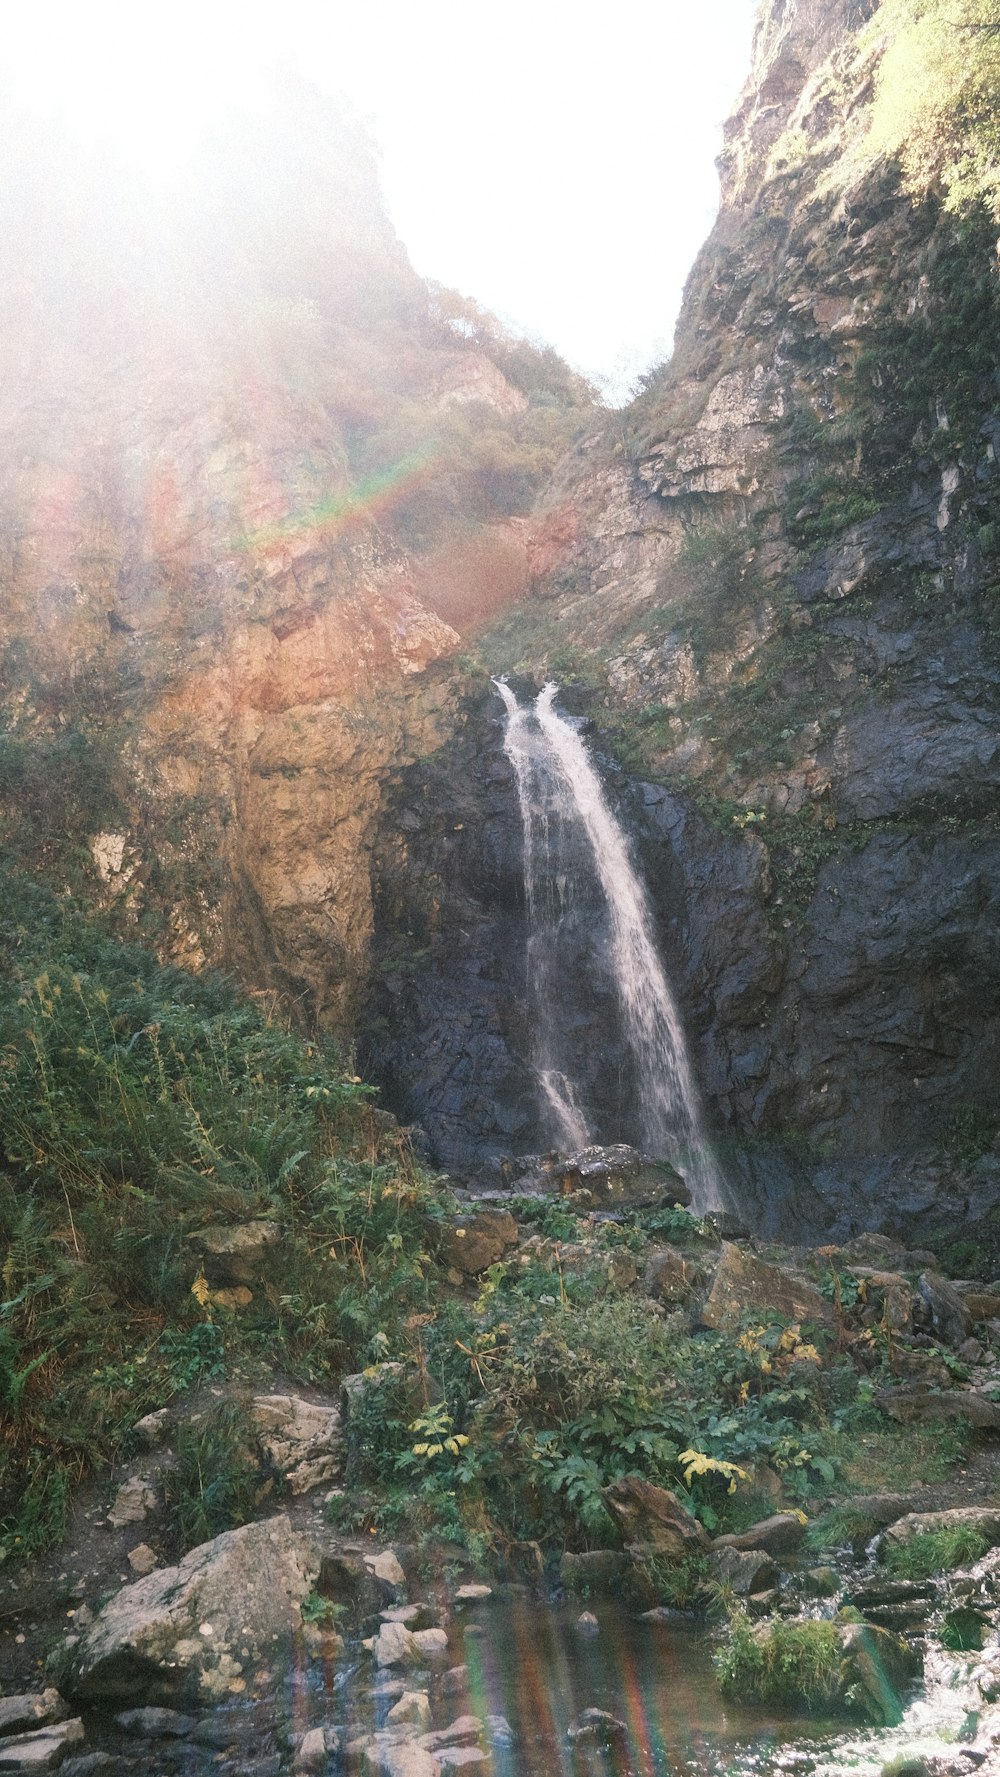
[{"x": 560, "y": 794}]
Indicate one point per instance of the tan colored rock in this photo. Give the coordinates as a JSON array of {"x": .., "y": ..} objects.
[
  {"x": 781, "y": 1534},
  {"x": 303, "y": 1439},
  {"x": 412, "y": 1709},
  {"x": 234, "y": 1254},
  {"x": 183, "y": 1631},
  {"x": 142, "y": 1559},
  {"x": 985, "y": 1520},
  {"x": 887, "y": 1293},
  {"x": 652, "y": 1518},
  {"x": 134, "y": 1501},
  {"x": 743, "y": 1571},
  {"x": 474, "y": 1242},
  {"x": 385, "y": 1566},
  {"x": 744, "y": 1284}
]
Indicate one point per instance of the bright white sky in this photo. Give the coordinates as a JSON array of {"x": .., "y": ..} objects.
[{"x": 554, "y": 163}]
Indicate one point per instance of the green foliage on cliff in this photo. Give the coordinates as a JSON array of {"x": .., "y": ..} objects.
[{"x": 936, "y": 101}]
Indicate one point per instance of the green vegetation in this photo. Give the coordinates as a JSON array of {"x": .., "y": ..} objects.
[
  {"x": 936, "y": 1551},
  {"x": 137, "y": 1104},
  {"x": 782, "y": 1666},
  {"x": 218, "y": 1477}
]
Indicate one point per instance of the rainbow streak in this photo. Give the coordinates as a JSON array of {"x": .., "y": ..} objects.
[{"x": 372, "y": 498}]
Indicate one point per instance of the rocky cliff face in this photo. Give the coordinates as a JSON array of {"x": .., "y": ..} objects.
[
  {"x": 235, "y": 464},
  {"x": 777, "y": 576}
]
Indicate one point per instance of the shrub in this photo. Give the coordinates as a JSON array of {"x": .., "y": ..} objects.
[{"x": 783, "y": 1666}]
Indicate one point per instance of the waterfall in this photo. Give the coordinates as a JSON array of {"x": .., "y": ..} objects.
[{"x": 570, "y": 831}]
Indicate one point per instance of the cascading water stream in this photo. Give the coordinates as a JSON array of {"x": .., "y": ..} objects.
[{"x": 562, "y": 801}]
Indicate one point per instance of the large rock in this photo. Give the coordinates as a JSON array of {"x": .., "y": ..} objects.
[
  {"x": 43, "y": 1750},
  {"x": 652, "y": 1519},
  {"x": 473, "y": 1243},
  {"x": 877, "y": 1669},
  {"x": 34, "y": 1709},
  {"x": 302, "y": 1438},
  {"x": 744, "y": 1571},
  {"x": 781, "y": 1534},
  {"x": 984, "y": 1520},
  {"x": 197, "y": 1628},
  {"x": 619, "y": 1177},
  {"x": 234, "y": 1253},
  {"x": 950, "y": 1316},
  {"x": 743, "y": 1284},
  {"x": 909, "y": 1404}
]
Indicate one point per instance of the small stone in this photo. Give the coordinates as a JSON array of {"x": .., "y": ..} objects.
[
  {"x": 313, "y": 1751},
  {"x": 499, "y": 1730},
  {"x": 454, "y": 1682},
  {"x": 587, "y": 1625},
  {"x": 473, "y": 1593},
  {"x": 142, "y": 1559}
]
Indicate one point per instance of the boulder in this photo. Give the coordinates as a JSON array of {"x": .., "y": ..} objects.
[
  {"x": 472, "y": 1243},
  {"x": 652, "y": 1520},
  {"x": 234, "y": 1253},
  {"x": 396, "y": 1645},
  {"x": 193, "y": 1630},
  {"x": 42, "y": 1751},
  {"x": 670, "y": 1277},
  {"x": 877, "y": 1669},
  {"x": 888, "y": 1296},
  {"x": 984, "y": 1520},
  {"x": 34, "y": 1709},
  {"x": 597, "y": 1727},
  {"x": 743, "y": 1571},
  {"x": 909, "y": 1404},
  {"x": 302, "y": 1438},
  {"x": 412, "y": 1709},
  {"x": 950, "y": 1317},
  {"x": 399, "y": 1758},
  {"x": 781, "y": 1534},
  {"x": 743, "y": 1284},
  {"x": 619, "y": 1177},
  {"x": 980, "y": 1304}
]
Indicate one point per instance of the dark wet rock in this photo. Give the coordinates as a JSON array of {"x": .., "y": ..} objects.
[
  {"x": 454, "y": 1682},
  {"x": 743, "y": 1571},
  {"x": 472, "y": 1243},
  {"x": 619, "y": 1177},
  {"x": 594, "y": 1573},
  {"x": 597, "y": 1727},
  {"x": 874, "y": 1593},
  {"x": 742, "y": 1283},
  {"x": 910, "y": 1404},
  {"x": 821, "y": 1582},
  {"x": 964, "y": 1629},
  {"x": 883, "y": 1508},
  {"x": 653, "y": 1519},
  {"x": 878, "y": 1667},
  {"x": 781, "y": 1534}
]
